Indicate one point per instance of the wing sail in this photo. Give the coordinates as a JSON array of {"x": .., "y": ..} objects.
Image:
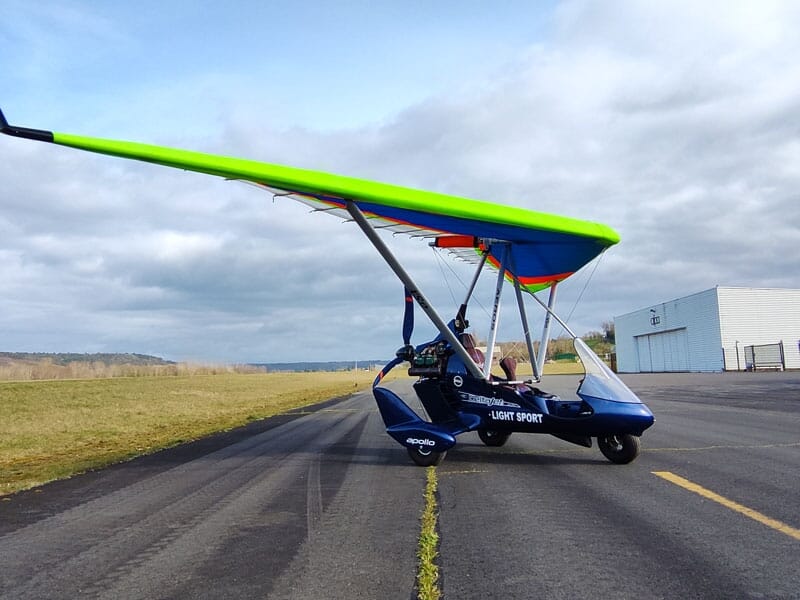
[{"x": 545, "y": 248}]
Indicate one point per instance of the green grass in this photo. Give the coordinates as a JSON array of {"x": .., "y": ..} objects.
[
  {"x": 54, "y": 429},
  {"x": 427, "y": 570},
  {"x": 563, "y": 368},
  {"x": 524, "y": 369}
]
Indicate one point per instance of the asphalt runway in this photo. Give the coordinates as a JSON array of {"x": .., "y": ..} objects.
[
  {"x": 320, "y": 505},
  {"x": 540, "y": 519},
  {"x": 323, "y": 504}
]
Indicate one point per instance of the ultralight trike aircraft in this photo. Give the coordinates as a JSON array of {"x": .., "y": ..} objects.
[{"x": 533, "y": 251}]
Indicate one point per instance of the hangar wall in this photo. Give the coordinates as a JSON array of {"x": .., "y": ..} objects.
[
  {"x": 754, "y": 316},
  {"x": 679, "y": 335},
  {"x": 704, "y": 331}
]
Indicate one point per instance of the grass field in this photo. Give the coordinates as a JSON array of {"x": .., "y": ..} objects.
[{"x": 54, "y": 429}]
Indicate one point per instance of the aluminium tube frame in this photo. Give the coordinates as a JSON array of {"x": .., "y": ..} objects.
[
  {"x": 526, "y": 330},
  {"x": 498, "y": 292},
  {"x": 404, "y": 277}
]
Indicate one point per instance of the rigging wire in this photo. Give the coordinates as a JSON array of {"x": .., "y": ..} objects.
[
  {"x": 439, "y": 261},
  {"x": 585, "y": 285},
  {"x": 461, "y": 281}
]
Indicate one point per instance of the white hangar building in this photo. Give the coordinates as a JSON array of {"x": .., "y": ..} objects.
[{"x": 721, "y": 329}]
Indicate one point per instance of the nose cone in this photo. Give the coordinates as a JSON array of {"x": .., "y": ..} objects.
[
  {"x": 637, "y": 417},
  {"x": 620, "y": 417},
  {"x": 645, "y": 418}
]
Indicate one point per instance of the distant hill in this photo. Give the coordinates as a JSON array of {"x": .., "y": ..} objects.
[
  {"x": 62, "y": 359},
  {"x": 65, "y": 358},
  {"x": 339, "y": 365}
]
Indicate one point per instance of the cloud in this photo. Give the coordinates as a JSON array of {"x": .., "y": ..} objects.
[{"x": 676, "y": 124}]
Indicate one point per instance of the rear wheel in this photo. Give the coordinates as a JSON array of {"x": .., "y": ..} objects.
[
  {"x": 426, "y": 458},
  {"x": 492, "y": 437},
  {"x": 620, "y": 448}
]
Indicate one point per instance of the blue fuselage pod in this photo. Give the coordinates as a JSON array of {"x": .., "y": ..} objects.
[
  {"x": 405, "y": 426},
  {"x": 520, "y": 407}
]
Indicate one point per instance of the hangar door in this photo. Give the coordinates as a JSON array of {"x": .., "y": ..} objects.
[{"x": 665, "y": 351}]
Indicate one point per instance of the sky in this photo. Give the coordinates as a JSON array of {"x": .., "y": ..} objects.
[{"x": 675, "y": 123}]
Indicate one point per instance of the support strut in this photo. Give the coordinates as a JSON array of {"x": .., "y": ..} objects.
[
  {"x": 501, "y": 273},
  {"x": 546, "y": 328},
  {"x": 526, "y": 330}
]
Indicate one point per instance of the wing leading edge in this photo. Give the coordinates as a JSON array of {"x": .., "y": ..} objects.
[{"x": 545, "y": 248}]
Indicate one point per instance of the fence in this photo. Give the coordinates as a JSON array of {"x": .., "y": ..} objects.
[
  {"x": 765, "y": 356},
  {"x": 755, "y": 358}
]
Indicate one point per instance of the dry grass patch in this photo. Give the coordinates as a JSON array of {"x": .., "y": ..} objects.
[{"x": 54, "y": 429}]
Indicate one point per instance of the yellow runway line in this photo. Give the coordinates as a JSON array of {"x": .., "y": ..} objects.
[{"x": 748, "y": 512}]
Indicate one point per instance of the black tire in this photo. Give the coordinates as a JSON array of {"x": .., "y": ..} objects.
[
  {"x": 426, "y": 458},
  {"x": 492, "y": 437},
  {"x": 619, "y": 449}
]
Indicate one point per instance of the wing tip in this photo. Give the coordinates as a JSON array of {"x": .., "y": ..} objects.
[{"x": 24, "y": 132}]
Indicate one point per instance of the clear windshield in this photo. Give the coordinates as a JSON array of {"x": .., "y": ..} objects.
[{"x": 600, "y": 381}]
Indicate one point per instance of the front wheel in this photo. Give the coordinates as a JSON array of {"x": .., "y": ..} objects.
[
  {"x": 490, "y": 437},
  {"x": 426, "y": 458},
  {"x": 619, "y": 449}
]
